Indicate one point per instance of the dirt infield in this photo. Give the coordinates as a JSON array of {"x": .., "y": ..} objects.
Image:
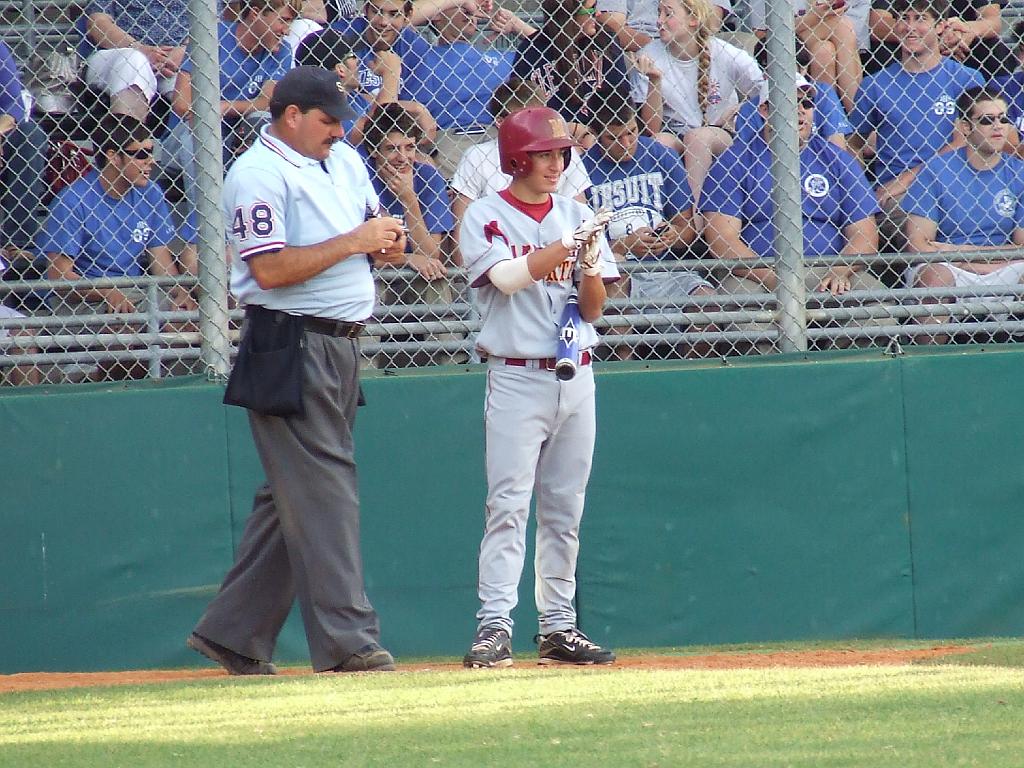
[{"x": 45, "y": 681}]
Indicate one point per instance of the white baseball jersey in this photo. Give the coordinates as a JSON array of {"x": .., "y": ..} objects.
[
  {"x": 479, "y": 173},
  {"x": 734, "y": 75},
  {"x": 273, "y": 197},
  {"x": 526, "y": 323}
]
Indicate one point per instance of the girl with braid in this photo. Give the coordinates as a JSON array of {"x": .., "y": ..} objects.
[
  {"x": 690, "y": 85},
  {"x": 576, "y": 61}
]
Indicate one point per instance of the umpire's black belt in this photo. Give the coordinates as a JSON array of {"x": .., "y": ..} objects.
[{"x": 343, "y": 329}]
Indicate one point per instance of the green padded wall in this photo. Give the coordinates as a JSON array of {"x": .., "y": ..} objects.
[
  {"x": 964, "y": 420},
  {"x": 848, "y": 495}
]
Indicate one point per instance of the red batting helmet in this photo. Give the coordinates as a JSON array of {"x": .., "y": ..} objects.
[{"x": 534, "y": 129}]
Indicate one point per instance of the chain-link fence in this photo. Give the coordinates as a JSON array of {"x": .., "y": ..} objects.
[{"x": 782, "y": 176}]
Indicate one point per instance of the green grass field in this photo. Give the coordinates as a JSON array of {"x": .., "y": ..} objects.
[{"x": 963, "y": 710}]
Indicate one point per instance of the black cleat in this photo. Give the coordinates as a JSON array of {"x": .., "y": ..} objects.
[
  {"x": 570, "y": 646},
  {"x": 492, "y": 647},
  {"x": 369, "y": 658}
]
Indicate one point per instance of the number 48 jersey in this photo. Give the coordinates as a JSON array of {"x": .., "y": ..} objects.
[{"x": 275, "y": 197}]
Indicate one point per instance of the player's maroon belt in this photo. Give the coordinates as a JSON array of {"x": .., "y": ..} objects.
[{"x": 544, "y": 363}]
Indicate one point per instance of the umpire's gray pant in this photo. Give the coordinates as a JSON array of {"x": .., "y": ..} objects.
[{"x": 302, "y": 538}]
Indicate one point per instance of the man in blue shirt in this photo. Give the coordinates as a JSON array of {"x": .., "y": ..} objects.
[
  {"x": 838, "y": 211},
  {"x": 22, "y": 163},
  {"x": 133, "y": 50},
  {"x": 971, "y": 199},
  {"x": 253, "y": 57},
  {"x": 456, "y": 79},
  {"x": 418, "y": 194},
  {"x": 110, "y": 223},
  {"x": 390, "y": 54},
  {"x": 911, "y": 108},
  {"x": 644, "y": 184}
]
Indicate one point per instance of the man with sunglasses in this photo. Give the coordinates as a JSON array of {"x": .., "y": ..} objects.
[
  {"x": 971, "y": 199},
  {"x": 837, "y": 203},
  {"x": 111, "y": 223}
]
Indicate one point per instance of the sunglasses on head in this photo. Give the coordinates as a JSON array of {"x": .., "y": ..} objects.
[
  {"x": 142, "y": 153},
  {"x": 992, "y": 120}
]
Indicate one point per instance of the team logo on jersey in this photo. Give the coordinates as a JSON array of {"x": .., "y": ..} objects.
[
  {"x": 254, "y": 86},
  {"x": 714, "y": 92},
  {"x": 944, "y": 105},
  {"x": 816, "y": 185},
  {"x": 141, "y": 233},
  {"x": 492, "y": 230},
  {"x": 1005, "y": 202}
]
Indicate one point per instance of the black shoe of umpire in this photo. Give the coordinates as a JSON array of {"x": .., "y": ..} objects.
[
  {"x": 370, "y": 658},
  {"x": 234, "y": 663},
  {"x": 570, "y": 646}
]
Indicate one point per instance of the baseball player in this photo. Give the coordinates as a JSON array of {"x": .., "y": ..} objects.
[
  {"x": 296, "y": 205},
  {"x": 529, "y": 252}
]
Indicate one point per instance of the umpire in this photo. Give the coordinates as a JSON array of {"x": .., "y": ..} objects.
[{"x": 296, "y": 205}]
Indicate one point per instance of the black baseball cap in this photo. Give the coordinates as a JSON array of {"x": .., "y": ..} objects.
[{"x": 312, "y": 88}]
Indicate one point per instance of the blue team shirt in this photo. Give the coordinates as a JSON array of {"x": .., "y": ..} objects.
[
  {"x": 829, "y": 116},
  {"x": 834, "y": 193},
  {"x": 242, "y": 74},
  {"x": 455, "y": 83},
  {"x": 1011, "y": 88},
  {"x": 409, "y": 46},
  {"x": 535, "y": 60},
  {"x": 913, "y": 112},
  {"x": 653, "y": 179},
  {"x": 106, "y": 237},
  {"x": 431, "y": 191},
  {"x": 160, "y": 22},
  {"x": 12, "y": 94},
  {"x": 969, "y": 207}
]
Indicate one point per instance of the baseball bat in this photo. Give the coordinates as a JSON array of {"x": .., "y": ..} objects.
[{"x": 568, "y": 339}]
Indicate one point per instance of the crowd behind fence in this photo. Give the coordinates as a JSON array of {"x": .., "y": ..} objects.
[{"x": 782, "y": 176}]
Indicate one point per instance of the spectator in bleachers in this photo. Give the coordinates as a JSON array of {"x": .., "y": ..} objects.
[
  {"x": 420, "y": 12},
  {"x": 970, "y": 199},
  {"x": 635, "y": 22},
  {"x": 833, "y": 32},
  {"x": 837, "y": 203},
  {"x": 330, "y": 50},
  {"x": 969, "y": 31},
  {"x": 133, "y": 50},
  {"x": 458, "y": 77},
  {"x": 112, "y": 223},
  {"x": 644, "y": 184},
  {"x": 1011, "y": 86},
  {"x": 694, "y": 86},
  {"x": 390, "y": 53},
  {"x": 575, "y": 61},
  {"x": 911, "y": 108},
  {"x": 413, "y": 191},
  {"x": 253, "y": 58},
  {"x": 22, "y": 165},
  {"x": 830, "y": 119},
  {"x": 479, "y": 171}
]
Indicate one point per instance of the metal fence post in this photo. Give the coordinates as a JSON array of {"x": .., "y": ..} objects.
[
  {"x": 213, "y": 274},
  {"x": 782, "y": 120}
]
